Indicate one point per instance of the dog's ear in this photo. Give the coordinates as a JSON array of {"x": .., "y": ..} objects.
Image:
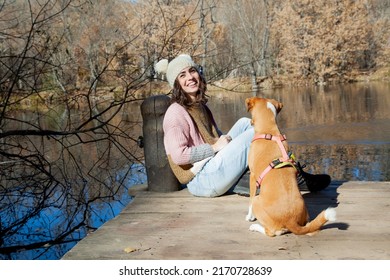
[
  {"x": 249, "y": 102},
  {"x": 278, "y": 105}
]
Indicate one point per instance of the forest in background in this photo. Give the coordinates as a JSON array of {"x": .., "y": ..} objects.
[
  {"x": 73, "y": 73},
  {"x": 75, "y": 44}
]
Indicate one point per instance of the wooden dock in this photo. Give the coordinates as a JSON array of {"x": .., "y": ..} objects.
[{"x": 177, "y": 225}]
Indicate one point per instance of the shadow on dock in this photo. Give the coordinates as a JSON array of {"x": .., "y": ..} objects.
[{"x": 177, "y": 225}]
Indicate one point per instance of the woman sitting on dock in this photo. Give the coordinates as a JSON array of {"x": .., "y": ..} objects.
[{"x": 206, "y": 161}]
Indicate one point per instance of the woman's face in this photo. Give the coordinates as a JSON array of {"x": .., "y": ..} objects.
[{"x": 189, "y": 80}]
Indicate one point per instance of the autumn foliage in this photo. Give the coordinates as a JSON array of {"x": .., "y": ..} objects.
[
  {"x": 96, "y": 43},
  {"x": 73, "y": 72}
]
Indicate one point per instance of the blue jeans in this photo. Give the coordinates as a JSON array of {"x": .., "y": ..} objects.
[{"x": 223, "y": 171}]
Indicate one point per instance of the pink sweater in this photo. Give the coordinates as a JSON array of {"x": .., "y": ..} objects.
[{"x": 182, "y": 140}]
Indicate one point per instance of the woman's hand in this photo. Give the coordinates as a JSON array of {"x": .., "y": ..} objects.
[{"x": 222, "y": 141}]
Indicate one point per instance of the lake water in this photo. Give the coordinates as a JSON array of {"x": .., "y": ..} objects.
[{"x": 341, "y": 130}]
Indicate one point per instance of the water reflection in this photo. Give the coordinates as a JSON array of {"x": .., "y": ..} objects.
[
  {"x": 342, "y": 130},
  {"x": 69, "y": 186},
  {"x": 38, "y": 235}
]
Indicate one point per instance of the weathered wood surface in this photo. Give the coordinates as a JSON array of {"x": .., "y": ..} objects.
[
  {"x": 159, "y": 173},
  {"x": 179, "y": 226}
]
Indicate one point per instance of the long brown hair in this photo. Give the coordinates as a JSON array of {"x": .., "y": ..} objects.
[{"x": 181, "y": 97}]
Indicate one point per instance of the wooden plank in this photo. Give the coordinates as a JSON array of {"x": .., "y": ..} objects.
[{"x": 179, "y": 226}]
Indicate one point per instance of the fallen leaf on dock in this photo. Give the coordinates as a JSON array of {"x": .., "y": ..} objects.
[{"x": 130, "y": 250}]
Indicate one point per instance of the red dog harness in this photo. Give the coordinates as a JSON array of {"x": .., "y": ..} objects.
[{"x": 286, "y": 159}]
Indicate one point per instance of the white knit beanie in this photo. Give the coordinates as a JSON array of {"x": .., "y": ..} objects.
[{"x": 173, "y": 68}]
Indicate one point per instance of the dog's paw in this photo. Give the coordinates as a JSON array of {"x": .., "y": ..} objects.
[
  {"x": 250, "y": 218},
  {"x": 330, "y": 214},
  {"x": 257, "y": 227}
]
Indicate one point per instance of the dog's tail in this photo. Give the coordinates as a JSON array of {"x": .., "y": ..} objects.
[{"x": 314, "y": 225}]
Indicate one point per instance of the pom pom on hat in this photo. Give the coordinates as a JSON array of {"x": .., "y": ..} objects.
[
  {"x": 173, "y": 68},
  {"x": 161, "y": 66}
]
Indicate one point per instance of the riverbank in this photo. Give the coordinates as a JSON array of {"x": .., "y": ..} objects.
[
  {"x": 76, "y": 98},
  {"x": 176, "y": 225}
]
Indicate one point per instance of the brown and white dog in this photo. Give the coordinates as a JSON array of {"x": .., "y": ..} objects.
[{"x": 279, "y": 208}]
